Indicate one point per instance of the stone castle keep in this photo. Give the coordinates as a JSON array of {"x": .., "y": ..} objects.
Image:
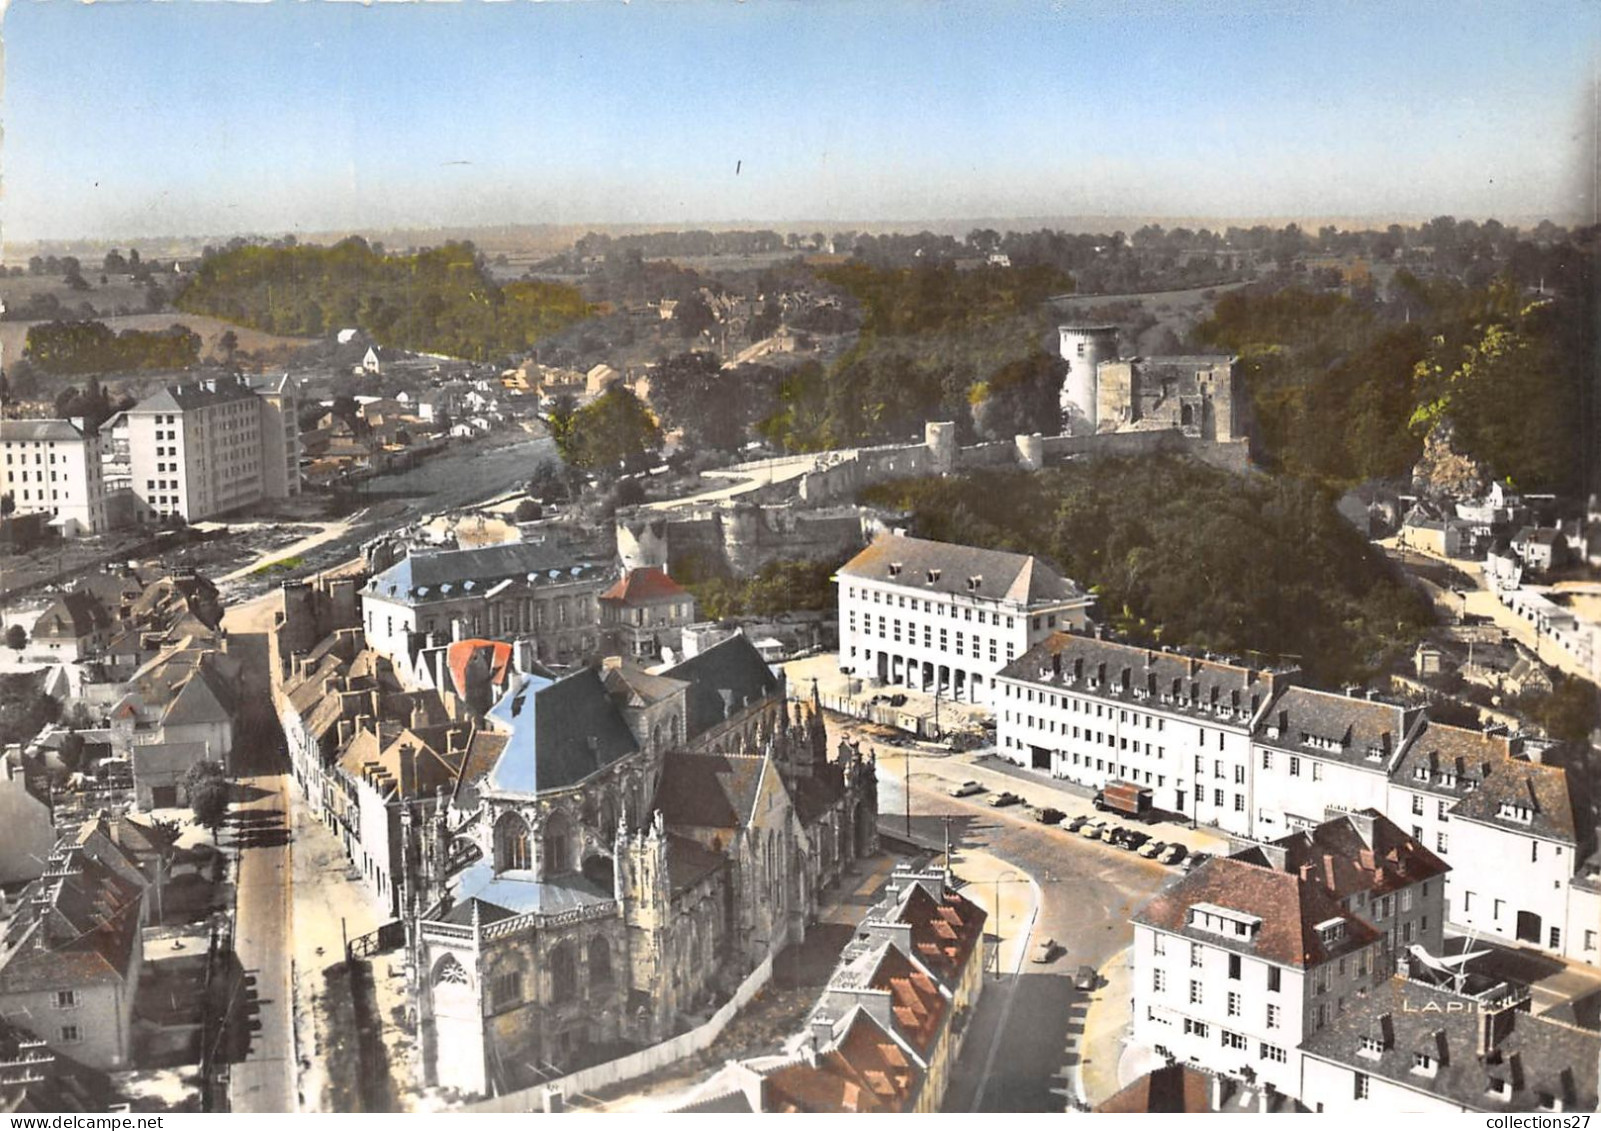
[{"x": 1197, "y": 395}]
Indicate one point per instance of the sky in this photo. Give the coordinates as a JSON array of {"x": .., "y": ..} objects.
[{"x": 133, "y": 118}]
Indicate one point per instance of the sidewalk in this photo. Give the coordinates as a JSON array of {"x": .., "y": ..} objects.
[
  {"x": 1107, "y": 1062},
  {"x": 327, "y": 908},
  {"x": 981, "y": 877}
]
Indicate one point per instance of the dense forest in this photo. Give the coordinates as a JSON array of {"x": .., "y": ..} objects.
[
  {"x": 1344, "y": 391},
  {"x": 72, "y": 348},
  {"x": 440, "y": 300},
  {"x": 1178, "y": 552}
]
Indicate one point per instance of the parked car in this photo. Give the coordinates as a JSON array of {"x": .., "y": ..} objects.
[
  {"x": 1086, "y": 978},
  {"x": 1048, "y": 815},
  {"x": 1133, "y": 840},
  {"x": 1004, "y": 798},
  {"x": 1091, "y": 830},
  {"x": 1154, "y": 849},
  {"x": 1076, "y": 823},
  {"x": 1109, "y": 833},
  {"x": 1196, "y": 860},
  {"x": 1045, "y": 950},
  {"x": 1172, "y": 854},
  {"x": 966, "y": 789}
]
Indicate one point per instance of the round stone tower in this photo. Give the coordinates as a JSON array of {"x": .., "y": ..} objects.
[{"x": 1083, "y": 348}]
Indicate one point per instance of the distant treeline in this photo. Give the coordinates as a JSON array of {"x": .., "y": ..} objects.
[
  {"x": 72, "y": 348},
  {"x": 440, "y": 300}
]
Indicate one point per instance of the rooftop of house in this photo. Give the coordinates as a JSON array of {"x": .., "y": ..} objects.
[
  {"x": 1463, "y": 1050},
  {"x": 39, "y": 430},
  {"x": 559, "y": 732},
  {"x": 723, "y": 679},
  {"x": 1257, "y": 911},
  {"x": 1452, "y": 761},
  {"x": 1171, "y": 1089},
  {"x": 1343, "y": 728},
  {"x": 1021, "y": 580},
  {"x": 192, "y": 395},
  {"x": 1172, "y": 681},
  {"x": 442, "y": 574},
  {"x": 647, "y": 586},
  {"x": 865, "y": 1071},
  {"x": 73, "y": 615},
  {"x": 1354, "y": 852},
  {"x": 1524, "y": 796},
  {"x": 77, "y": 925}
]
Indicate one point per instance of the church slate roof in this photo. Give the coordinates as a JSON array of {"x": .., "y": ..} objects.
[
  {"x": 733, "y": 666},
  {"x": 561, "y": 732},
  {"x": 709, "y": 791}
]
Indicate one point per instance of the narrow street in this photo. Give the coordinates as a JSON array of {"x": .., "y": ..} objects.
[
  {"x": 258, "y": 837},
  {"x": 1023, "y": 1051}
]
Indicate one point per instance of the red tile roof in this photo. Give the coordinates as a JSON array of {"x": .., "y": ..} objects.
[
  {"x": 1174, "y": 1088},
  {"x": 1289, "y": 909},
  {"x": 644, "y": 587},
  {"x": 915, "y": 1001},
  {"x": 461, "y": 653},
  {"x": 944, "y": 932},
  {"x": 866, "y": 1071}
]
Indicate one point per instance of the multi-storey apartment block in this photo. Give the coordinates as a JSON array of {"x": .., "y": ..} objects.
[
  {"x": 53, "y": 467},
  {"x": 940, "y": 617},
  {"x": 208, "y": 447},
  {"x": 1255, "y": 754},
  {"x": 1093, "y": 712}
]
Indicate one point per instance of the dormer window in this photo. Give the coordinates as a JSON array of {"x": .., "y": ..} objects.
[
  {"x": 1512, "y": 811},
  {"x": 933, "y": 576},
  {"x": 974, "y": 582},
  {"x": 1423, "y": 1064},
  {"x": 1371, "y": 1047},
  {"x": 894, "y": 569},
  {"x": 1331, "y": 931}
]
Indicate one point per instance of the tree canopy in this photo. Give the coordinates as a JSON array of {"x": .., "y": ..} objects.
[
  {"x": 439, "y": 300},
  {"x": 614, "y": 432},
  {"x": 72, "y": 348},
  {"x": 1181, "y": 553}
]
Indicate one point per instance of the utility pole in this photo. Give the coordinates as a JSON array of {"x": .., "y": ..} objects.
[{"x": 906, "y": 758}]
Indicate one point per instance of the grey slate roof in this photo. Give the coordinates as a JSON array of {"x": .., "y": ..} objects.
[
  {"x": 1542, "y": 790},
  {"x": 732, "y": 666},
  {"x": 422, "y": 575},
  {"x": 1126, "y": 673},
  {"x": 709, "y": 791},
  {"x": 562, "y": 732},
  {"x": 39, "y": 430},
  {"x": 1537, "y": 1058},
  {"x": 1341, "y": 728},
  {"x": 945, "y": 567},
  {"x": 195, "y": 395}
]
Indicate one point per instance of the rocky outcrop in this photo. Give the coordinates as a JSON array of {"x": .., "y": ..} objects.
[{"x": 1445, "y": 473}]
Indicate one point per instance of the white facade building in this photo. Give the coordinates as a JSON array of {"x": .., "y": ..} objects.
[
  {"x": 209, "y": 447},
  {"x": 1237, "y": 964},
  {"x": 1258, "y": 756},
  {"x": 936, "y": 616},
  {"x": 54, "y": 467},
  {"x": 1095, "y": 711}
]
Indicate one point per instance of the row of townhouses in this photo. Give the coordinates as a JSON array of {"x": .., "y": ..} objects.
[
  {"x": 1311, "y": 967},
  {"x": 1255, "y": 754},
  {"x": 887, "y": 1030}
]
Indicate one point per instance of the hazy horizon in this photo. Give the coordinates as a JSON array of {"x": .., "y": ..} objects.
[{"x": 199, "y": 121}]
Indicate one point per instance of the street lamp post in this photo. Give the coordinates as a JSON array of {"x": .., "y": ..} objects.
[{"x": 1011, "y": 877}]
